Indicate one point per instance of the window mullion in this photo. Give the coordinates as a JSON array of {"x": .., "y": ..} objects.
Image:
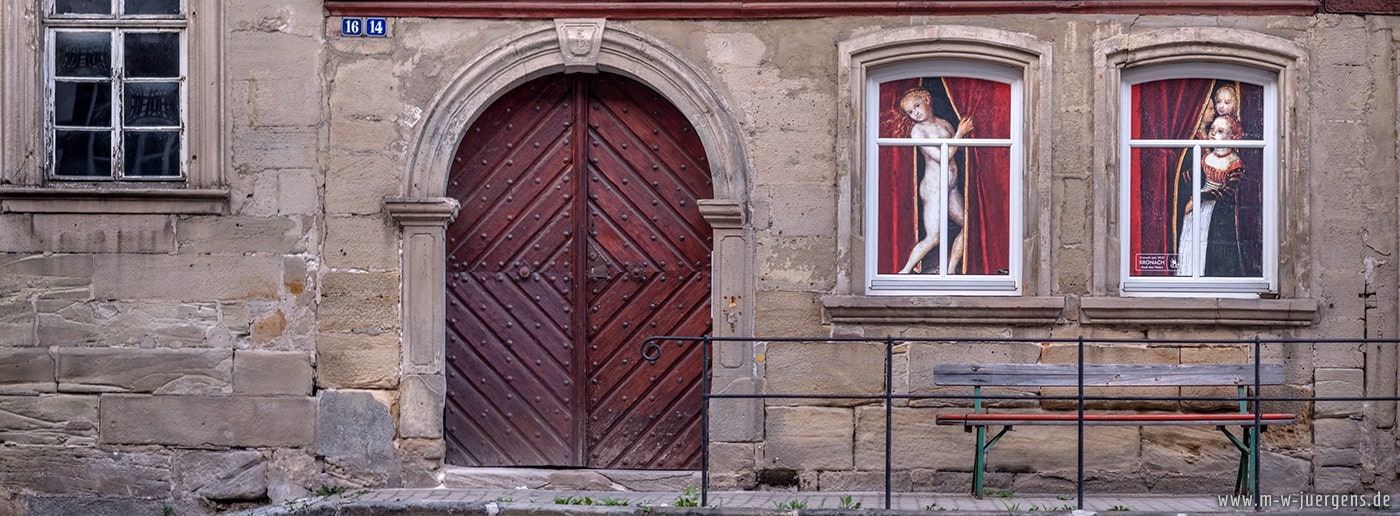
[
  {"x": 118, "y": 101},
  {"x": 1197, "y": 258},
  {"x": 943, "y": 241}
]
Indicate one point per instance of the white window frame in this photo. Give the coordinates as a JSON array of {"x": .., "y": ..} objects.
[
  {"x": 1195, "y": 286},
  {"x": 26, "y": 184},
  {"x": 117, "y": 28},
  {"x": 943, "y": 283}
]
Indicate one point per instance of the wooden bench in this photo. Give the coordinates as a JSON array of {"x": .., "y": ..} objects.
[{"x": 1111, "y": 375}]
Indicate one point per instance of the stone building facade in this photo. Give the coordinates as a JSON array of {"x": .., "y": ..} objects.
[{"x": 271, "y": 317}]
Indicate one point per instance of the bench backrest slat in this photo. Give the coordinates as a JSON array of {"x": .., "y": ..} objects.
[{"x": 1067, "y": 375}]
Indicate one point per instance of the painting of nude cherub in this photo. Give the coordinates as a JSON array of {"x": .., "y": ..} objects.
[
  {"x": 944, "y": 163},
  {"x": 1196, "y": 214}
]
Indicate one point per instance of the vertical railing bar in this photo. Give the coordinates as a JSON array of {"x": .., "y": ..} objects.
[
  {"x": 1079, "y": 470},
  {"x": 889, "y": 414},
  {"x": 705, "y": 422},
  {"x": 1258, "y": 417}
]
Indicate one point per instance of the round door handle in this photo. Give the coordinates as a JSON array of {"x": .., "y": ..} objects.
[{"x": 524, "y": 271}]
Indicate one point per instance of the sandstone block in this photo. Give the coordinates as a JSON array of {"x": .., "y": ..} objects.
[
  {"x": 357, "y": 361},
  {"x": 222, "y": 475},
  {"x": 17, "y": 234},
  {"x": 93, "y": 506},
  {"x": 1337, "y": 480},
  {"x": 1176, "y": 451},
  {"x": 159, "y": 371},
  {"x": 66, "y": 322},
  {"x": 356, "y": 185},
  {"x": 359, "y": 301},
  {"x": 268, "y": 106},
  {"x": 66, "y": 233},
  {"x": 421, "y": 405},
  {"x": 801, "y": 209},
  {"x": 1338, "y": 383},
  {"x": 809, "y": 438},
  {"x": 299, "y": 192},
  {"x": 86, "y": 471},
  {"x": 46, "y": 268},
  {"x": 825, "y": 368},
  {"x": 361, "y": 242},
  {"x": 236, "y": 235},
  {"x": 814, "y": 272},
  {"x": 16, "y": 320},
  {"x": 918, "y": 442},
  {"x": 279, "y": 148},
  {"x": 26, "y": 371},
  {"x": 869, "y": 481},
  {"x": 292, "y": 473},
  {"x": 1337, "y": 434},
  {"x": 187, "y": 277},
  {"x": 205, "y": 421},
  {"x": 271, "y": 373},
  {"x": 1281, "y": 473},
  {"x": 355, "y": 434},
  {"x": 48, "y": 420},
  {"x": 270, "y": 55},
  {"x": 790, "y": 314}
]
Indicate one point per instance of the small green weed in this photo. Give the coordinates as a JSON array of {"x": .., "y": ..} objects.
[
  {"x": 791, "y": 504},
  {"x": 326, "y": 490},
  {"x": 573, "y": 500},
  {"x": 689, "y": 498},
  {"x": 847, "y": 503},
  {"x": 933, "y": 507},
  {"x": 504, "y": 499},
  {"x": 1011, "y": 507},
  {"x": 614, "y": 502},
  {"x": 1120, "y": 508},
  {"x": 167, "y": 510},
  {"x": 1003, "y": 493}
]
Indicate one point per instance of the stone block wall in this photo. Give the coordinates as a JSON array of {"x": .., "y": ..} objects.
[{"x": 203, "y": 362}]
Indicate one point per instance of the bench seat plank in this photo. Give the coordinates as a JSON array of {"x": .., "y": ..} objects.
[
  {"x": 1105, "y": 375},
  {"x": 1113, "y": 419}
]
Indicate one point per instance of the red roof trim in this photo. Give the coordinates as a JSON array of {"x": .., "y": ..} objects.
[{"x": 733, "y": 9}]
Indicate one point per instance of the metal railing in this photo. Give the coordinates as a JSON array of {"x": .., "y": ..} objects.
[{"x": 651, "y": 350}]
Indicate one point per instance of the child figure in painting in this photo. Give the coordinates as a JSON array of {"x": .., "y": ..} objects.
[
  {"x": 1226, "y": 102},
  {"x": 917, "y": 104},
  {"x": 1210, "y": 231}
]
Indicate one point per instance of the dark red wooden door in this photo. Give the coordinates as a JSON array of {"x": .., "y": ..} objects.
[{"x": 579, "y": 236}]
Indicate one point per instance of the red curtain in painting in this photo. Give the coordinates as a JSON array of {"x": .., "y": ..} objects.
[
  {"x": 1160, "y": 110},
  {"x": 898, "y": 196},
  {"x": 986, "y": 176}
]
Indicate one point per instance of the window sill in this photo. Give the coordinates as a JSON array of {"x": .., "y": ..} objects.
[
  {"x": 849, "y": 309},
  {"x": 113, "y": 200},
  {"x": 1198, "y": 312}
]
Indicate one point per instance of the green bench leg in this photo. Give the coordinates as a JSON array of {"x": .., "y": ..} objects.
[
  {"x": 1247, "y": 444},
  {"x": 979, "y": 460}
]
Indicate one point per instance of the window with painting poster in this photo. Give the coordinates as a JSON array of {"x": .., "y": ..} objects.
[
  {"x": 1198, "y": 185},
  {"x": 946, "y": 163}
]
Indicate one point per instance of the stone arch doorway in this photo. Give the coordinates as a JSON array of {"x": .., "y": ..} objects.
[
  {"x": 579, "y": 236},
  {"x": 423, "y": 209}
]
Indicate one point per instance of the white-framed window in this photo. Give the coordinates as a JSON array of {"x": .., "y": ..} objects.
[
  {"x": 943, "y": 178},
  {"x": 115, "y": 89},
  {"x": 113, "y": 106},
  {"x": 1198, "y": 181}
]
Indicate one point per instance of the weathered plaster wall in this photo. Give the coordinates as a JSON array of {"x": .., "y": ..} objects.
[{"x": 208, "y": 361}]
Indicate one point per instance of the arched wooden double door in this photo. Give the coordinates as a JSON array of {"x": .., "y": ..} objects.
[{"x": 579, "y": 235}]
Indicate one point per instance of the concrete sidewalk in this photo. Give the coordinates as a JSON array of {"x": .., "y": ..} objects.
[
  {"x": 526, "y": 491},
  {"x": 498, "y": 502}
]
